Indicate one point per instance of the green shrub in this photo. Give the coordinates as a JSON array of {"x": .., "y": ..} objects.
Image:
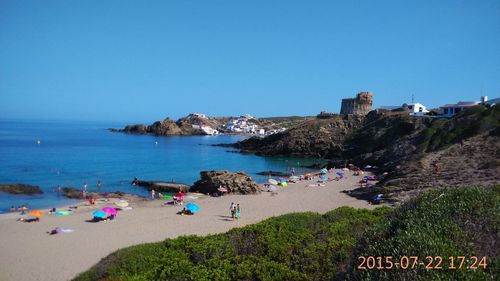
[
  {"x": 303, "y": 246},
  {"x": 449, "y": 222},
  {"x": 309, "y": 246}
]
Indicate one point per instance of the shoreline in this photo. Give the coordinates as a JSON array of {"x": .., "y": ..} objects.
[{"x": 32, "y": 254}]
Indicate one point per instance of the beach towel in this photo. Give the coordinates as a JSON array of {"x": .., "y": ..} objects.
[{"x": 62, "y": 213}]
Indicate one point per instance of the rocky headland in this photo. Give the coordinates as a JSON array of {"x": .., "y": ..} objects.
[
  {"x": 320, "y": 138},
  {"x": 166, "y": 127},
  {"x": 200, "y": 124},
  {"x": 235, "y": 183},
  {"x": 413, "y": 153},
  {"x": 20, "y": 189}
]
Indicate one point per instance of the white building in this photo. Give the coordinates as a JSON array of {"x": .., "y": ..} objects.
[
  {"x": 199, "y": 115},
  {"x": 206, "y": 129},
  {"x": 416, "y": 109},
  {"x": 492, "y": 102},
  {"x": 209, "y": 130},
  {"x": 448, "y": 110}
]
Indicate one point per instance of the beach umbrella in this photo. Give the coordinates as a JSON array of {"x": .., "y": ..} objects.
[
  {"x": 167, "y": 196},
  {"x": 272, "y": 181},
  {"x": 323, "y": 171},
  {"x": 36, "y": 213},
  {"x": 99, "y": 214},
  {"x": 110, "y": 211},
  {"x": 121, "y": 203},
  {"x": 192, "y": 207}
]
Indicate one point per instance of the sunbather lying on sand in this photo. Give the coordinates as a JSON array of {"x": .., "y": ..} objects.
[
  {"x": 29, "y": 220},
  {"x": 58, "y": 230},
  {"x": 185, "y": 212}
]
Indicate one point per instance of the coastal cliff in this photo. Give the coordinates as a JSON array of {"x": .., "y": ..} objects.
[
  {"x": 416, "y": 152},
  {"x": 322, "y": 138}
]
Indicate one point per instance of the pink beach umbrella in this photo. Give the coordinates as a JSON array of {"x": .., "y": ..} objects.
[{"x": 110, "y": 211}]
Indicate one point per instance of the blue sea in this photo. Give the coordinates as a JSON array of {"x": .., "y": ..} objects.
[{"x": 74, "y": 153}]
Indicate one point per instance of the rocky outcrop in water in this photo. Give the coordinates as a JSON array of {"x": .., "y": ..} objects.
[
  {"x": 162, "y": 186},
  {"x": 274, "y": 174},
  {"x": 189, "y": 125},
  {"x": 237, "y": 183},
  {"x": 74, "y": 193},
  {"x": 20, "y": 189}
]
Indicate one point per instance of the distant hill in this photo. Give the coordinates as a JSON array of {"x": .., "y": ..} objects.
[{"x": 184, "y": 125}]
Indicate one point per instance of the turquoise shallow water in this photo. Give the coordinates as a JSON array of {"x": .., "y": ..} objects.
[{"x": 74, "y": 153}]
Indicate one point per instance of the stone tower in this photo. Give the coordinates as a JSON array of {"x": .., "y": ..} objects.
[{"x": 360, "y": 105}]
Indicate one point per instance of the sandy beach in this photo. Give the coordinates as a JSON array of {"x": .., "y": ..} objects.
[{"x": 27, "y": 252}]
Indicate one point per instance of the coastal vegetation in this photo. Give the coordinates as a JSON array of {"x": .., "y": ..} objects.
[
  {"x": 473, "y": 121},
  {"x": 308, "y": 246}
]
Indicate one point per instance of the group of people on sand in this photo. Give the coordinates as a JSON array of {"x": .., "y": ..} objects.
[
  {"x": 235, "y": 211},
  {"x": 23, "y": 209},
  {"x": 154, "y": 195}
]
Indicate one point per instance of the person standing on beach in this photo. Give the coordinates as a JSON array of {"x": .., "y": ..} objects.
[
  {"x": 152, "y": 194},
  {"x": 99, "y": 184},
  {"x": 85, "y": 186},
  {"x": 231, "y": 209},
  {"x": 59, "y": 188},
  {"x": 238, "y": 211}
]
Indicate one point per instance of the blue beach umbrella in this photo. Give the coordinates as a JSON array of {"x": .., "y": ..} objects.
[
  {"x": 323, "y": 171},
  {"x": 192, "y": 207},
  {"x": 99, "y": 214}
]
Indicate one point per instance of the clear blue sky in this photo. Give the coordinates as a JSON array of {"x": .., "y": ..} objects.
[{"x": 142, "y": 61}]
